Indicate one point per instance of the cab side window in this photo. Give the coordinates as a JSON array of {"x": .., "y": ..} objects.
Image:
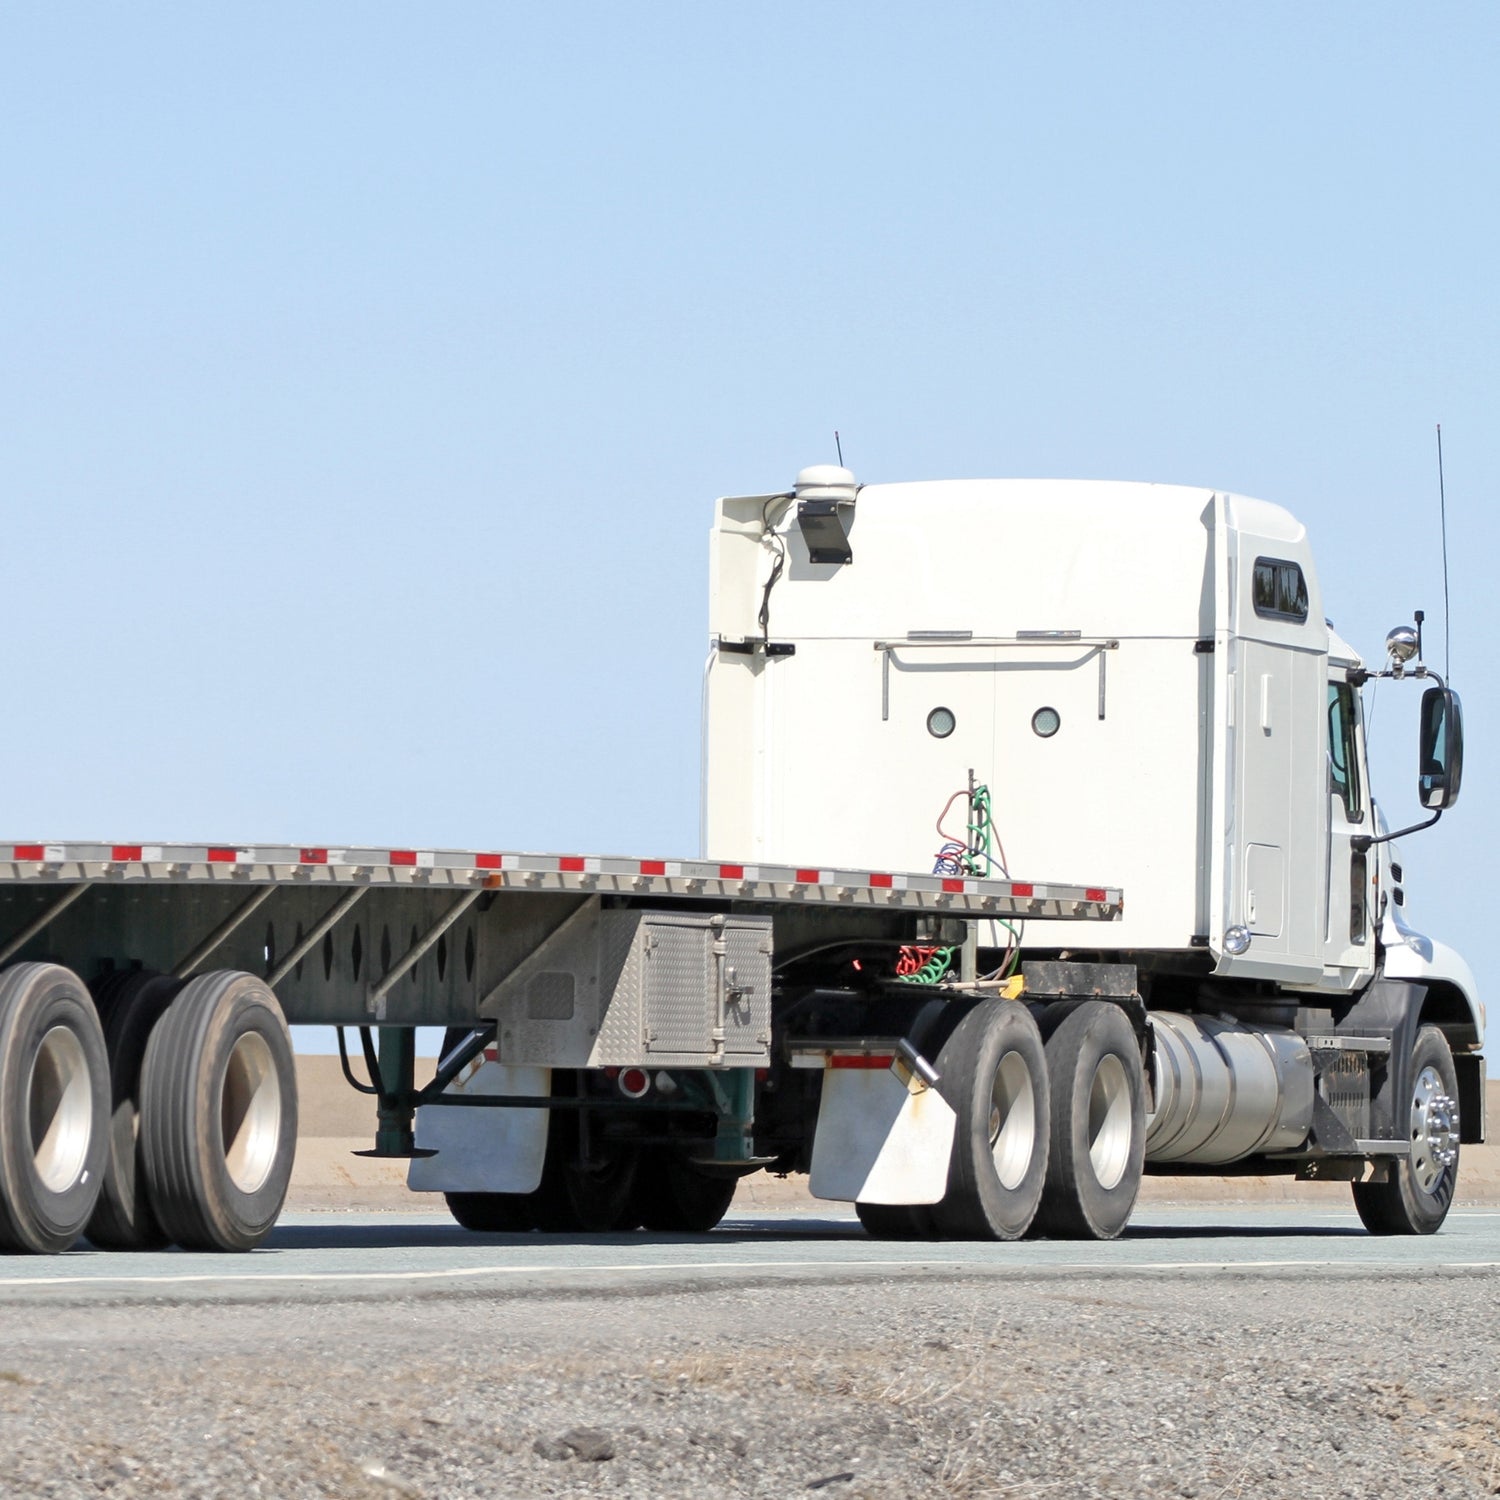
[
  {"x": 1279, "y": 590},
  {"x": 1343, "y": 762}
]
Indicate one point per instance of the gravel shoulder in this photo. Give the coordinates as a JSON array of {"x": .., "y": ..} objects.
[{"x": 1299, "y": 1385}]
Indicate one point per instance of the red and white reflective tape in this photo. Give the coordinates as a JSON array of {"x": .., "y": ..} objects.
[{"x": 783, "y": 884}]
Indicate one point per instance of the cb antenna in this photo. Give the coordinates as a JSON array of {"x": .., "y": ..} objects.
[
  {"x": 839, "y": 447},
  {"x": 1443, "y": 519}
]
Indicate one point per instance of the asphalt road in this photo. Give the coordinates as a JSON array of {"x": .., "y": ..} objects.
[{"x": 328, "y": 1256}]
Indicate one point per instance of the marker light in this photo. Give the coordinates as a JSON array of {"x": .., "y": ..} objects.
[
  {"x": 634, "y": 1083},
  {"x": 1236, "y": 939}
]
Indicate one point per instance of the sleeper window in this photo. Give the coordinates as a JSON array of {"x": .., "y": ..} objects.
[{"x": 1279, "y": 590}]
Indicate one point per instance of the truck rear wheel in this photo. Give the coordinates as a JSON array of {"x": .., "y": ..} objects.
[
  {"x": 219, "y": 1113},
  {"x": 675, "y": 1195},
  {"x": 130, "y": 1007},
  {"x": 583, "y": 1196},
  {"x": 493, "y": 1213},
  {"x": 993, "y": 1071},
  {"x": 1417, "y": 1195},
  {"x": 895, "y": 1221},
  {"x": 1098, "y": 1124},
  {"x": 54, "y": 1101}
]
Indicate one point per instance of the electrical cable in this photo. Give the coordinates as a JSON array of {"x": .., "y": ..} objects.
[
  {"x": 972, "y": 856},
  {"x": 763, "y": 619}
]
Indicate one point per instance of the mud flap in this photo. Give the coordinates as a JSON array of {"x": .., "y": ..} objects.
[
  {"x": 487, "y": 1149},
  {"x": 884, "y": 1134}
]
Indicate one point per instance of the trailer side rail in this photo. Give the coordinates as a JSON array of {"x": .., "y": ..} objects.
[{"x": 72, "y": 864}]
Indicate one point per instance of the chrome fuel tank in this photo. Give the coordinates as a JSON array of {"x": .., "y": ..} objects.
[{"x": 1225, "y": 1090}]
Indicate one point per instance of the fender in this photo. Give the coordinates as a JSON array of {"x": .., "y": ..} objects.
[
  {"x": 1415, "y": 957},
  {"x": 1439, "y": 991}
]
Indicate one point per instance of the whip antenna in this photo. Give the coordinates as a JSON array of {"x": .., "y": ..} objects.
[
  {"x": 1443, "y": 519},
  {"x": 838, "y": 446}
]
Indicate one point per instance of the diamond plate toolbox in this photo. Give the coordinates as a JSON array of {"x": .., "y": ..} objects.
[{"x": 684, "y": 989}]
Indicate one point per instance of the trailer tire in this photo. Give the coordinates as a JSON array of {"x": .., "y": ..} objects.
[
  {"x": 1098, "y": 1153},
  {"x": 1416, "y": 1196},
  {"x": 993, "y": 1071},
  {"x": 219, "y": 1113},
  {"x": 493, "y": 1213},
  {"x": 54, "y": 1100},
  {"x": 577, "y": 1197},
  {"x": 895, "y": 1221},
  {"x": 676, "y": 1196},
  {"x": 123, "y": 1218},
  {"x": 487, "y": 1213}
]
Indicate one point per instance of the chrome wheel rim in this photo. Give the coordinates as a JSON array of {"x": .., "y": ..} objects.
[
  {"x": 60, "y": 1109},
  {"x": 1434, "y": 1130},
  {"x": 250, "y": 1112},
  {"x": 1109, "y": 1121},
  {"x": 1012, "y": 1120}
]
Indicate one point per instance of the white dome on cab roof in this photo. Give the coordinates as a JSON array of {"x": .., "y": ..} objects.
[{"x": 826, "y": 482}]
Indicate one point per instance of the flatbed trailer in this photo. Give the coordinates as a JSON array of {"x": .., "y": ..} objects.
[
  {"x": 147, "y": 1092},
  {"x": 1147, "y": 688}
]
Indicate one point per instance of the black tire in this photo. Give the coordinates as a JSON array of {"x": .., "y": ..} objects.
[
  {"x": 54, "y": 1101},
  {"x": 676, "y": 1196},
  {"x": 895, "y": 1221},
  {"x": 1417, "y": 1195},
  {"x": 493, "y": 1213},
  {"x": 1097, "y": 1084},
  {"x": 123, "y": 1218},
  {"x": 488, "y": 1213},
  {"x": 993, "y": 1071},
  {"x": 219, "y": 1113},
  {"x": 578, "y": 1197},
  {"x": 107, "y": 986}
]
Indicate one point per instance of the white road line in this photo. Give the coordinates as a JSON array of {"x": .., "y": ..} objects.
[{"x": 455, "y": 1273}]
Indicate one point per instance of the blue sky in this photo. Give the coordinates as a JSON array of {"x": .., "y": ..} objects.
[{"x": 370, "y": 370}]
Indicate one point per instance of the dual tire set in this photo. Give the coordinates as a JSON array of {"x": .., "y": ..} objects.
[
  {"x": 614, "y": 1187},
  {"x": 151, "y": 1112},
  {"x": 649, "y": 1187},
  {"x": 1051, "y": 1129}
]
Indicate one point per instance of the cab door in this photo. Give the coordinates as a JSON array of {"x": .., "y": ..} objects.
[
  {"x": 1269, "y": 791},
  {"x": 1348, "y": 937}
]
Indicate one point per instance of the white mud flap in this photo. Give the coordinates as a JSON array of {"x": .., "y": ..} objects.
[
  {"x": 484, "y": 1150},
  {"x": 884, "y": 1134}
]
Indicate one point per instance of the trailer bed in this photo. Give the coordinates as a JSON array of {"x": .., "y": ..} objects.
[{"x": 425, "y": 936}]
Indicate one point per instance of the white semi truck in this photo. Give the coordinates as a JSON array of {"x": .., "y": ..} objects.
[{"x": 947, "y": 679}]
